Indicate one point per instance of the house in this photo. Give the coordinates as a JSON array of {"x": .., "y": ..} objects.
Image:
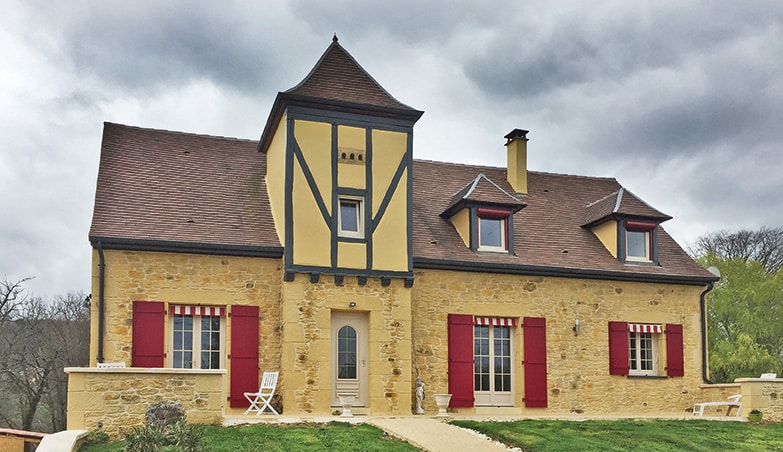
[{"x": 326, "y": 251}]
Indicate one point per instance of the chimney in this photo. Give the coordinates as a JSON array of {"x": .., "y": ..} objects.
[{"x": 517, "y": 159}]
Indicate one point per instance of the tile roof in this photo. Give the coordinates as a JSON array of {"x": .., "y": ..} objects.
[
  {"x": 621, "y": 202},
  {"x": 482, "y": 190},
  {"x": 548, "y": 233},
  {"x": 166, "y": 186},
  {"x": 162, "y": 186},
  {"x": 338, "y": 76}
]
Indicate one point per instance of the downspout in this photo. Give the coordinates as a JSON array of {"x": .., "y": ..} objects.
[
  {"x": 703, "y": 309},
  {"x": 101, "y": 277}
]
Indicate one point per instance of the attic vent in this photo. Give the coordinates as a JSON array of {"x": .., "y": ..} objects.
[{"x": 352, "y": 156}]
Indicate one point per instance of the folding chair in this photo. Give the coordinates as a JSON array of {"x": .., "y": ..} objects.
[
  {"x": 264, "y": 394},
  {"x": 111, "y": 365}
]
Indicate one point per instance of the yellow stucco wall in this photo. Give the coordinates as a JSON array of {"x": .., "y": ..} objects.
[
  {"x": 185, "y": 279},
  {"x": 390, "y": 240},
  {"x": 461, "y": 222},
  {"x": 577, "y": 364},
  {"x": 607, "y": 234},
  {"x": 351, "y": 175},
  {"x": 275, "y": 178},
  {"x": 352, "y": 255},
  {"x": 117, "y": 399},
  {"x": 307, "y": 343}
]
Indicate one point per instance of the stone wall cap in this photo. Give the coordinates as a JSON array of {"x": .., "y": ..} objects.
[
  {"x": 143, "y": 370},
  {"x": 758, "y": 380},
  {"x": 719, "y": 385}
]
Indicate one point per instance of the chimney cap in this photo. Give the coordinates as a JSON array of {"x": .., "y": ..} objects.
[{"x": 516, "y": 134}]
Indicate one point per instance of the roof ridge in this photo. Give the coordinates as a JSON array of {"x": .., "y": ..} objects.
[
  {"x": 546, "y": 173},
  {"x": 179, "y": 132}
]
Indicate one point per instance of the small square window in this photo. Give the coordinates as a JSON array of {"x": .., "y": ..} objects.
[
  {"x": 492, "y": 234},
  {"x": 350, "y": 218}
]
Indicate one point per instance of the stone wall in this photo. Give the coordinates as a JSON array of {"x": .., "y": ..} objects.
[
  {"x": 185, "y": 279},
  {"x": 116, "y": 400},
  {"x": 765, "y": 395},
  {"x": 578, "y": 377},
  {"x": 307, "y": 372}
]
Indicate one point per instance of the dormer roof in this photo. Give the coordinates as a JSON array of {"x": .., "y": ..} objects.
[
  {"x": 621, "y": 203},
  {"x": 482, "y": 191}
]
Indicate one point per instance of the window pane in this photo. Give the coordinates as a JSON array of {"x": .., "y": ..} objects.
[
  {"x": 637, "y": 244},
  {"x": 346, "y": 353},
  {"x": 349, "y": 215},
  {"x": 490, "y": 232}
]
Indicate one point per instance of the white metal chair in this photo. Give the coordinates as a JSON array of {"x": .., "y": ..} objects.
[
  {"x": 769, "y": 376},
  {"x": 264, "y": 395},
  {"x": 733, "y": 402},
  {"x": 111, "y": 365}
]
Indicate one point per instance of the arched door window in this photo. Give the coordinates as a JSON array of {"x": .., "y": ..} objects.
[{"x": 346, "y": 353}]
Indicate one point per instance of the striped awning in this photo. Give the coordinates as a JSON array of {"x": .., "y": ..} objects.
[
  {"x": 644, "y": 328},
  {"x": 197, "y": 310},
  {"x": 495, "y": 321}
]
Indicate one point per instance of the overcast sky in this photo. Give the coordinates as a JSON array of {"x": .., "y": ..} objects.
[{"x": 681, "y": 101}]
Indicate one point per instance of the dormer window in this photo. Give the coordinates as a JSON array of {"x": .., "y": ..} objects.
[
  {"x": 639, "y": 241},
  {"x": 492, "y": 229}
]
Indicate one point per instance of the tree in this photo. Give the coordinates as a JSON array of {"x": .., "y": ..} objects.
[
  {"x": 37, "y": 341},
  {"x": 745, "y": 309},
  {"x": 764, "y": 246}
]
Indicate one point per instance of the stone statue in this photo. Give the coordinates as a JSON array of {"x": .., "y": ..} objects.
[{"x": 419, "y": 395}]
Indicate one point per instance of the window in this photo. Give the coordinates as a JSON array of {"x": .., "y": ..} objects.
[
  {"x": 643, "y": 353},
  {"x": 635, "y": 350},
  {"x": 492, "y": 365},
  {"x": 492, "y": 229},
  {"x": 197, "y": 337},
  {"x": 346, "y": 353},
  {"x": 351, "y": 218},
  {"x": 639, "y": 241}
]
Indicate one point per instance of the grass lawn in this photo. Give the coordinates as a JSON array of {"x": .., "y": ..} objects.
[
  {"x": 636, "y": 435},
  {"x": 263, "y": 437}
]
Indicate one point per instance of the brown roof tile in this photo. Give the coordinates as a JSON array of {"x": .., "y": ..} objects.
[
  {"x": 170, "y": 186},
  {"x": 337, "y": 76}
]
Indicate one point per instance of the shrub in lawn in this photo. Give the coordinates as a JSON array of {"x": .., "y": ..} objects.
[{"x": 180, "y": 437}]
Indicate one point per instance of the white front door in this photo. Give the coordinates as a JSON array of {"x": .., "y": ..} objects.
[
  {"x": 349, "y": 356},
  {"x": 493, "y": 349}
]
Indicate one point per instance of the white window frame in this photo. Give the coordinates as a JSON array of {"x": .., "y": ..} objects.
[
  {"x": 493, "y": 396},
  {"x": 647, "y": 238},
  {"x": 196, "y": 343},
  {"x": 359, "y": 233},
  {"x": 503, "y": 232},
  {"x": 636, "y": 340}
]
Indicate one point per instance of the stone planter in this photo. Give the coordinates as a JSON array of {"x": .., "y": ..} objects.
[
  {"x": 755, "y": 417},
  {"x": 442, "y": 400},
  {"x": 346, "y": 400}
]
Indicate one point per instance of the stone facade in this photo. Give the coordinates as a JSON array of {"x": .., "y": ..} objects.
[
  {"x": 116, "y": 400},
  {"x": 577, "y": 363},
  {"x": 189, "y": 279},
  {"x": 306, "y": 350}
]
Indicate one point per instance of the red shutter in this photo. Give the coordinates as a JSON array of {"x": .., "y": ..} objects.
[
  {"x": 534, "y": 330},
  {"x": 618, "y": 348},
  {"x": 461, "y": 360},
  {"x": 149, "y": 318},
  {"x": 244, "y": 353},
  {"x": 674, "y": 356}
]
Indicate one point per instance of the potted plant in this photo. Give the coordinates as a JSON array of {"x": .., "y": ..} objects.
[{"x": 755, "y": 416}]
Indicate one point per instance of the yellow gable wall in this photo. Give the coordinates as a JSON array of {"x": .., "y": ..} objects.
[
  {"x": 607, "y": 234},
  {"x": 578, "y": 379},
  {"x": 390, "y": 241},
  {"x": 275, "y": 178},
  {"x": 461, "y": 222}
]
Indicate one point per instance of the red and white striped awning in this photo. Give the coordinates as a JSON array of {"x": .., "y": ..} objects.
[
  {"x": 644, "y": 328},
  {"x": 495, "y": 321},
  {"x": 197, "y": 310}
]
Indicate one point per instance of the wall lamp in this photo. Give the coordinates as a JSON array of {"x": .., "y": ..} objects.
[
  {"x": 352, "y": 304},
  {"x": 576, "y": 326}
]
